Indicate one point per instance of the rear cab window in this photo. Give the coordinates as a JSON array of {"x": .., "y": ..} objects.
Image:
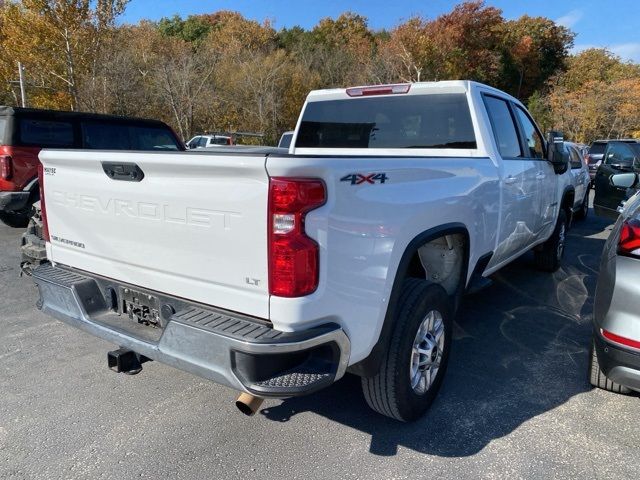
[
  {"x": 438, "y": 120},
  {"x": 46, "y": 133},
  {"x": 220, "y": 141},
  {"x": 121, "y": 136},
  {"x": 152, "y": 138}
]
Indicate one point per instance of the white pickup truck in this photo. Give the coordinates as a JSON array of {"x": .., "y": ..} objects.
[{"x": 274, "y": 272}]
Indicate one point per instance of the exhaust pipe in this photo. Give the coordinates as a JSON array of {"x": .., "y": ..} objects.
[{"x": 248, "y": 404}]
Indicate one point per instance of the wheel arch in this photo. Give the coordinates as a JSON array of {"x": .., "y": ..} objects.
[
  {"x": 33, "y": 187},
  {"x": 407, "y": 264},
  {"x": 567, "y": 201}
]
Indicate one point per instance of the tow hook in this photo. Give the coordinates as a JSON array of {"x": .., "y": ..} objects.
[
  {"x": 248, "y": 404},
  {"x": 126, "y": 361}
]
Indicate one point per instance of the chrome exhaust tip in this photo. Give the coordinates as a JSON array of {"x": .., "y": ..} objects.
[{"x": 248, "y": 404}]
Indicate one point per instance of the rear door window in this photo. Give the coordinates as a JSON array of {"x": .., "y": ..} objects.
[
  {"x": 619, "y": 154},
  {"x": 504, "y": 127},
  {"x": 532, "y": 137},
  {"x": 46, "y": 133},
  {"x": 416, "y": 121},
  {"x": 576, "y": 161}
]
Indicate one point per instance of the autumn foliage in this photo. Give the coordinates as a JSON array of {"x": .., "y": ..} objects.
[{"x": 223, "y": 72}]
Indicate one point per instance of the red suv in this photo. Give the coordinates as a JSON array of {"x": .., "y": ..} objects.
[{"x": 25, "y": 131}]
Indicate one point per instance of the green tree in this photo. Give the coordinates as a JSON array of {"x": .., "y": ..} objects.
[
  {"x": 194, "y": 29},
  {"x": 535, "y": 49}
]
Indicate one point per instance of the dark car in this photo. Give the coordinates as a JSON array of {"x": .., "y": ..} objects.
[
  {"x": 620, "y": 156},
  {"x": 615, "y": 357},
  {"x": 594, "y": 157},
  {"x": 26, "y": 131}
]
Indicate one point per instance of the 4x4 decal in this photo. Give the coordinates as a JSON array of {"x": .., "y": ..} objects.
[{"x": 360, "y": 178}]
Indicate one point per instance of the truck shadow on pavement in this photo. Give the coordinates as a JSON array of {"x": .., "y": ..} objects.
[{"x": 520, "y": 349}]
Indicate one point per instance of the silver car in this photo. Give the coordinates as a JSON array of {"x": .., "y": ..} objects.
[
  {"x": 615, "y": 358},
  {"x": 579, "y": 179}
]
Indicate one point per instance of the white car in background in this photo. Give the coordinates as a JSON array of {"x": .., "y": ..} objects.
[
  {"x": 203, "y": 141},
  {"x": 579, "y": 179}
]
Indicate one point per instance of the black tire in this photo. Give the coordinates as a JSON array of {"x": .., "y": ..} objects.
[
  {"x": 548, "y": 256},
  {"x": 584, "y": 208},
  {"x": 389, "y": 392},
  {"x": 15, "y": 220},
  {"x": 598, "y": 379}
]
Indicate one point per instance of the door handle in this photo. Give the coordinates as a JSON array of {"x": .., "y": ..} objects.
[
  {"x": 510, "y": 180},
  {"x": 540, "y": 176}
]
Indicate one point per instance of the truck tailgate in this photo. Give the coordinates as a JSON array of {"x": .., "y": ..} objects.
[{"x": 195, "y": 226}]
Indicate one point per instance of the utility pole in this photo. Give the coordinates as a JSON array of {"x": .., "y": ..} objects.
[{"x": 23, "y": 95}]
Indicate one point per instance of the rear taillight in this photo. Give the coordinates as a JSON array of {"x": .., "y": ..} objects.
[
  {"x": 629, "y": 243},
  {"x": 43, "y": 207},
  {"x": 379, "y": 90},
  {"x": 6, "y": 167},
  {"x": 293, "y": 256},
  {"x": 627, "y": 342}
]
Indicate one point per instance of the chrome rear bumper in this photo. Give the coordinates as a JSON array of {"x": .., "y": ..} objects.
[{"x": 240, "y": 352}]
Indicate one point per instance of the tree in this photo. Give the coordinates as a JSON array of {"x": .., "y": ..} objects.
[
  {"x": 342, "y": 50},
  {"x": 58, "y": 40},
  {"x": 462, "y": 44},
  {"x": 538, "y": 106},
  {"x": 409, "y": 52},
  {"x": 194, "y": 29},
  {"x": 535, "y": 49},
  {"x": 466, "y": 43}
]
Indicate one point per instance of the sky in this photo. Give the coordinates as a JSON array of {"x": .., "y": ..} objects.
[{"x": 614, "y": 24}]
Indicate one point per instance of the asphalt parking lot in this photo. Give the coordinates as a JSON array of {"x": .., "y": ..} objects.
[{"x": 515, "y": 403}]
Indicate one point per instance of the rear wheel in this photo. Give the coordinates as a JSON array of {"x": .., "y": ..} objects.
[
  {"x": 598, "y": 379},
  {"x": 414, "y": 365},
  {"x": 549, "y": 255},
  {"x": 584, "y": 208}
]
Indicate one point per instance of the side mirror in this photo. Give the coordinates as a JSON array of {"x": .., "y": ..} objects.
[
  {"x": 556, "y": 153},
  {"x": 624, "y": 180}
]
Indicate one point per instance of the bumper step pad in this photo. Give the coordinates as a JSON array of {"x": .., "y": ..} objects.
[
  {"x": 296, "y": 379},
  {"x": 234, "y": 327}
]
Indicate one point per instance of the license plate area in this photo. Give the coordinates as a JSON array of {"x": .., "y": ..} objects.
[{"x": 140, "y": 307}]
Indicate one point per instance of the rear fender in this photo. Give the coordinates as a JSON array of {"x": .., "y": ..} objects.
[{"x": 370, "y": 365}]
